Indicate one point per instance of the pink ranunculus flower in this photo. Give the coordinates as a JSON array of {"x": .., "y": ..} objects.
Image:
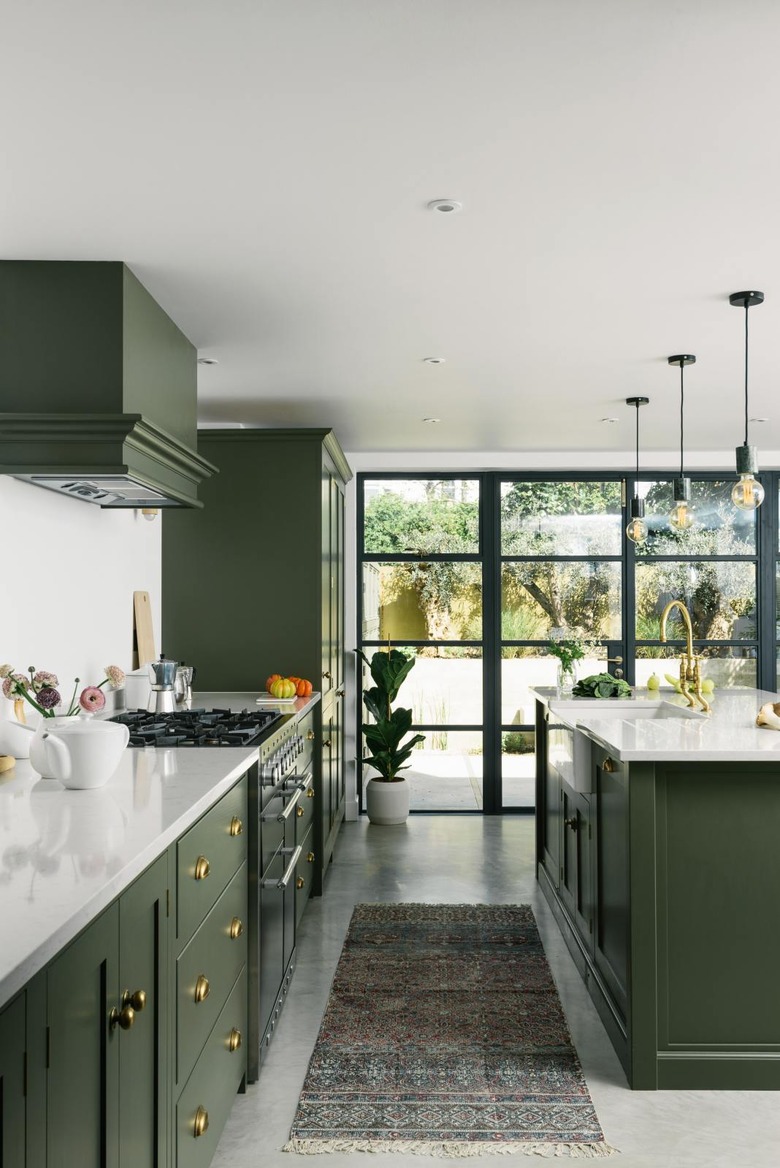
[
  {"x": 92, "y": 699},
  {"x": 115, "y": 675},
  {"x": 44, "y": 680},
  {"x": 13, "y": 684}
]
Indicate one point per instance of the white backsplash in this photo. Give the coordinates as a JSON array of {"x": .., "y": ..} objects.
[{"x": 68, "y": 571}]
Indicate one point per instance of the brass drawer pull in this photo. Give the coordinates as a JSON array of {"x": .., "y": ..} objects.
[
  {"x": 327, "y": 742},
  {"x": 608, "y": 765},
  {"x": 201, "y": 1122},
  {"x": 299, "y": 812},
  {"x": 234, "y": 1040},
  {"x": 202, "y": 868},
  {"x": 310, "y": 857},
  {"x": 202, "y": 988},
  {"x": 236, "y": 928},
  {"x": 300, "y": 882},
  {"x": 236, "y": 826},
  {"x": 310, "y": 793}
]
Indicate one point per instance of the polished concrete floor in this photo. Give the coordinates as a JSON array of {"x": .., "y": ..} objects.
[{"x": 470, "y": 859}]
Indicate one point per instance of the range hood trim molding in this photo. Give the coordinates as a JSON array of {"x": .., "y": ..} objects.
[{"x": 125, "y": 435}]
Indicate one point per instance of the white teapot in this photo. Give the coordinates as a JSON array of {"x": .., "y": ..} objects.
[{"x": 80, "y": 752}]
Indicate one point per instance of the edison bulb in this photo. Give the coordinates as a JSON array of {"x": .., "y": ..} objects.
[
  {"x": 747, "y": 493},
  {"x": 682, "y": 517},
  {"x": 637, "y": 530}
]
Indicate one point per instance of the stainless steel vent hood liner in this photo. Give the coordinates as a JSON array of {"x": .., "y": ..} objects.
[{"x": 98, "y": 387}]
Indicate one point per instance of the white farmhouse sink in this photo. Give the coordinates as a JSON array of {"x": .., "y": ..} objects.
[{"x": 662, "y": 710}]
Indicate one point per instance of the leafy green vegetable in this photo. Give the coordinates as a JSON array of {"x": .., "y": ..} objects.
[{"x": 601, "y": 685}]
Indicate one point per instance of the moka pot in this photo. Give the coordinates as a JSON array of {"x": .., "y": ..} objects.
[{"x": 162, "y": 676}]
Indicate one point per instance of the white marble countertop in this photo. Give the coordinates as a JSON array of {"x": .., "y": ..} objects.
[
  {"x": 65, "y": 855},
  {"x": 728, "y": 734}
]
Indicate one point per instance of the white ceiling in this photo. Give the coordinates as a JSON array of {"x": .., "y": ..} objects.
[{"x": 264, "y": 167}]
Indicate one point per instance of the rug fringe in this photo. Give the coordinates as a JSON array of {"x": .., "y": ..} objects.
[{"x": 452, "y": 1148}]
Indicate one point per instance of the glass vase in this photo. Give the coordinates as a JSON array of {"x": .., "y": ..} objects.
[{"x": 566, "y": 679}]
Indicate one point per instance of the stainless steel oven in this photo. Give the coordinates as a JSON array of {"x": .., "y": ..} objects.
[{"x": 283, "y": 780}]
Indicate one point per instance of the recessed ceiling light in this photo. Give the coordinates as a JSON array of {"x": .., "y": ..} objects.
[
  {"x": 431, "y": 419},
  {"x": 759, "y": 419},
  {"x": 610, "y": 420},
  {"x": 208, "y": 361},
  {"x": 434, "y": 360},
  {"x": 445, "y": 206}
]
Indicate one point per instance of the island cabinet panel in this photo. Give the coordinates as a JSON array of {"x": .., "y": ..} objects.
[
  {"x": 13, "y": 1109},
  {"x": 576, "y": 885},
  {"x": 611, "y": 886},
  {"x": 268, "y": 596}
]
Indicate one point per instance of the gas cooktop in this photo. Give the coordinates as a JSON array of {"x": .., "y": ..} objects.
[{"x": 199, "y": 727}]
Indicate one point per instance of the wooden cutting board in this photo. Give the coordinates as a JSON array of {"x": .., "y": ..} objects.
[{"x": 143, "y": 633}]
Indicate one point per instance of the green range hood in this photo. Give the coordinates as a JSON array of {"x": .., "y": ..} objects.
[{"x": 98, "y": 387}]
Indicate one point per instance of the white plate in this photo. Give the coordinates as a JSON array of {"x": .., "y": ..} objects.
[{"x": 267, "y": 699}]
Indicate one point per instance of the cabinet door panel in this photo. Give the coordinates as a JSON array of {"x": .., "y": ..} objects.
[
  {"x": 12, "y": 1101},
  {"x": 612, "y": 887},
  {"x": 143, "y": 1049},
  {"x": 81, "y": 1112}
]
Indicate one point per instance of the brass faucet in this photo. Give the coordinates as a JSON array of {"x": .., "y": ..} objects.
[{"x": 690, "y": 665}]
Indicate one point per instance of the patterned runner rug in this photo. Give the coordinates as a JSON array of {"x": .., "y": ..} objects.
[{"x": 444, "y": 1035}]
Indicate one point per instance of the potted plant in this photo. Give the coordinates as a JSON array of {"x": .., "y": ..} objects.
[{"x": 387, "y": 791}]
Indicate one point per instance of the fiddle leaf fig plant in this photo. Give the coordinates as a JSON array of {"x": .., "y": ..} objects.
[{"x": 384, "y": 736}]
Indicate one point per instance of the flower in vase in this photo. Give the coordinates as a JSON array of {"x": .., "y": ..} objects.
[
  {"x": 48, "y": 697},
  {"x": 44, "y": 680},
  {"x": 115, "y": 675},
  {"x": 92, "y": 699},
  {"x": 14, "y": 685},
  {"x": 6, "y": 670}
]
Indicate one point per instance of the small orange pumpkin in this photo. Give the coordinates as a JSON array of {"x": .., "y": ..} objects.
[
  {"x": 302, "y": 687},
  {"x": 274, "y": 677}
]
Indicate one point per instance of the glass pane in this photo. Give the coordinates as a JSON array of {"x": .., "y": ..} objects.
[
  {"x": 518, "y": 769},
  {"x": 443, "y": 688},
  {"x": 434, "y": 601},
  {"x": 523, "y": 667},
  {"x": 732, "y": 665},
  {"x": 719, "y": 529},
  {"x": 540, "y": 595},
  {"x": 446, "y": 772},
  {"x": 560, "y": 519},
  {"x": 420, "y": 516},
  {"x": 721, "y": 598}
]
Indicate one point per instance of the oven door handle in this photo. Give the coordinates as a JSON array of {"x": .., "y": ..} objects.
[
  {"x": 296, "y": 855},
  {"x": 299, "y": 781},
  {"x": 284, "y": 815}
]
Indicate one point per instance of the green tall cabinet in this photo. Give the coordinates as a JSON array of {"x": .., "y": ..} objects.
[{"x": 254, "y": 584}]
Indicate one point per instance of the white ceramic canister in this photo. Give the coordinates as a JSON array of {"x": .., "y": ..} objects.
[{"x": 81, "y": 752}]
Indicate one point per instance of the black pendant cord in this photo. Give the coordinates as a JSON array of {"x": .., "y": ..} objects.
[
  {"x": 682, "y": 417},
  {"x": 746, "y": 373},
  {"x": 636, "y": 483}
]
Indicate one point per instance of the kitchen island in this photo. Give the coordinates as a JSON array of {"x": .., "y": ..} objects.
[{"x": 657, "y": 852}]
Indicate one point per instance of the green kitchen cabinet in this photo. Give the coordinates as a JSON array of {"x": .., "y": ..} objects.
[
  {"x": 13, "y": 1104},
  {"x": 575, "y": 889},
  {"x": 265, "y": 593},
  {"x": 107, "y": 1026}
]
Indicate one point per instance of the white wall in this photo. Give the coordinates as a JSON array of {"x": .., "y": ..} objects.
[{"x": 68, "y": 571}]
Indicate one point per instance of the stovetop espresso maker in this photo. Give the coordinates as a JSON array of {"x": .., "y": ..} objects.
[{"x": 162, "y": 675}]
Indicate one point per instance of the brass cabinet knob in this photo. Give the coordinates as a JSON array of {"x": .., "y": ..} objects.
[
  {"x": 236, "y": 826},
  {"x": 340, "y": 693},
  {"x": 234, "y": 1039},
  {"x": 136, "y": 1000},
  {"x": 236, "y": 928},
  {"x": 310, "y": 857},
  {"x": 327, "y": 742},
  {"x": 201, "y": 1124},
  {"x": 326, "y": 674},
  {"x": 608, "y": 765},
  {"x": 202, "y": 988},
  {"x": 202, "y": 868},
  {"x": 310, "y": 793},
  {"x": 572, "y": 823},
  {"x": 299, "y": 812},
  {"x": 300, "y": 882},
  {"x": 123, "y": 1018},
  {"x": 310, "y": 736}
]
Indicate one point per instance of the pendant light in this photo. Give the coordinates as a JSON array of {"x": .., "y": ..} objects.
[
  {"x": 682, "y": 517},
  {"x": 637, "y": 528},
  {"x": 747, "y": 493}
]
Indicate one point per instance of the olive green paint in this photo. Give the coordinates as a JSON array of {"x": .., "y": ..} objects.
[{"x": 12, "y": 1092}]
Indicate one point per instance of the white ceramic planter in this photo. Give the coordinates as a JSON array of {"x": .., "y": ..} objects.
[{"x": 387, "y": 803}]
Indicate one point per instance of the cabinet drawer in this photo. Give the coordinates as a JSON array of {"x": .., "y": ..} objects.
[
  {"x": 304, "y": 812},
  {"x": 213, "y": 1084},
  {"x": 208, "y": 856},
  {"x": 304, "y": 875},
  {"x": 215, "y": 954},
  {"x": 306, "y": 730}
]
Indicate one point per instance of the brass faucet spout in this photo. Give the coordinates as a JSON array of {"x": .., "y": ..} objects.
[
  {"x": 686, "y": 620},
  {"x": 690, "y": 669}
]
